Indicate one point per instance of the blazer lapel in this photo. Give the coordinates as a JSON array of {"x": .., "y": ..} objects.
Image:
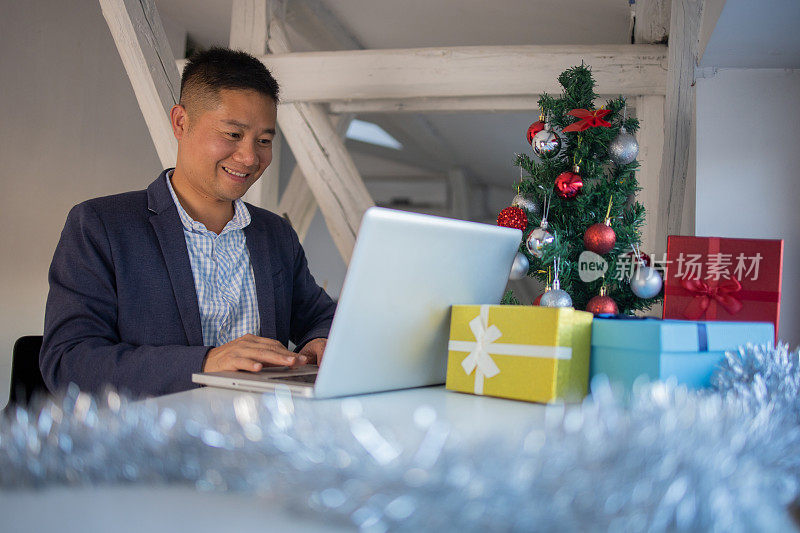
[
  {"x": 168, "y": 228},
  {"x": 258, "y": 246}
]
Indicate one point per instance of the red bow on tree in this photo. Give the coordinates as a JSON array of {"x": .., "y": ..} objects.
[
  {"x": 705, "y": 293},
  {"x": 589, "y": 119}
]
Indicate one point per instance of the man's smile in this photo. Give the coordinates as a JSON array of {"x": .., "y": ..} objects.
[{"x": 239, "y": 176}]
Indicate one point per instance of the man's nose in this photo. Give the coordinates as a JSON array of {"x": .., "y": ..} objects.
[{"x": 246, "y": 154}]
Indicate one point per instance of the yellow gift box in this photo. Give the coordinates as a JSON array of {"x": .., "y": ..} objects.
[{"x": 532, "y": 353}]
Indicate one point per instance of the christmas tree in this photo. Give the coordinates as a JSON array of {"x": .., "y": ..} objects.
[{"x": 582, "y": 183}]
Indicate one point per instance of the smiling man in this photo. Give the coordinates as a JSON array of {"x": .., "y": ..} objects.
[{"x": 150, "y": 286}]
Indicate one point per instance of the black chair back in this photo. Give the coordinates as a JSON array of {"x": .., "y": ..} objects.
[{"x": 26, "y": 377}]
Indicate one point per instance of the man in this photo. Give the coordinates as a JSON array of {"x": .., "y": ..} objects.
[{"x": 150, "y": 286}]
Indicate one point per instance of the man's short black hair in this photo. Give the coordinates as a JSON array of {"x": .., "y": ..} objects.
[{"x": 207, "y": 73}]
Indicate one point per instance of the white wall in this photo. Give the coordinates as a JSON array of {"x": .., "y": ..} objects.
[
  {"x": 70, "y": 129},
  {"x": 748, "y": 168}
]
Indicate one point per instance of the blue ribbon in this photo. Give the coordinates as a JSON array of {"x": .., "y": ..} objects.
[{"x": 702, "y": 337}]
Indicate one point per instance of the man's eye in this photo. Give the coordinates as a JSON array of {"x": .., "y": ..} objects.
[
  {"x": 234, "y": 135},
  {"x": 265, "y": 142}
]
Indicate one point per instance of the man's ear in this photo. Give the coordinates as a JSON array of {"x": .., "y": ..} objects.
[{"x": 179, "y": 120}]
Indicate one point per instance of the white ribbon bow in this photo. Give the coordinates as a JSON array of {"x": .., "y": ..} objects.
[{"x": 479, "y": 358}]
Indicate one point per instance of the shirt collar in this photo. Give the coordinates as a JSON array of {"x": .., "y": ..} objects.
[{"x": 241, "y": 215}]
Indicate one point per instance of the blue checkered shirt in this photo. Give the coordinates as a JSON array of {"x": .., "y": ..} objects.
[{"x": 223, "y": 275}]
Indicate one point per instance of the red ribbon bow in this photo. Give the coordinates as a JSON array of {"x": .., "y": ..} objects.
[
  {"x": 589, "y": 119},
  {"x": 705, "y": 293}
]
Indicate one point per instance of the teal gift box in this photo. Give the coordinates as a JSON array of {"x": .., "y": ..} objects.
[{"x": 624, "y": 349}]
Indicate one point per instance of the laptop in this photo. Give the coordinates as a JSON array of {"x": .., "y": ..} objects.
[{"x": 391, "y": 326}]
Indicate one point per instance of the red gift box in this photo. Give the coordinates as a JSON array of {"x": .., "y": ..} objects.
[{"x": 712, "y": 278}]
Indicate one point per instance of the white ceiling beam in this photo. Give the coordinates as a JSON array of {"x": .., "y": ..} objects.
[
  {"x": 464, "y": 104},
  {"x": 651, "y": 21},
  {"x": 249, "y": 23},
  {"x": 651, "y": 25},
  {"x": 672, "y": 218},
  {"x": 464, "y": 71},
  {"x": 143, "y": 47},
  {"x": 650, "y": 112},
  {"x": 438, "y": 105},
  {"x": 471, "y": 71}
]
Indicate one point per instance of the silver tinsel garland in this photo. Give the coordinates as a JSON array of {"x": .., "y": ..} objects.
[{"x": 672, "y": 459}]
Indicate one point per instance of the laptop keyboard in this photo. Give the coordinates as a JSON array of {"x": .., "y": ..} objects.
[{"x": 302, "y": 378}]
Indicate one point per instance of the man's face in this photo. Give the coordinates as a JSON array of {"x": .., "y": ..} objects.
[{"x": 225, "y": 149}]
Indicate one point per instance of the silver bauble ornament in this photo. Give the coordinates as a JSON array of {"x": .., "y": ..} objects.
[
  {"x": 556, "y": 297},
  {"x": 519, "y": 268},
  {"x": 528, "y": 203},
  {"x": 624, "y": 148},
  {"x": 537, "y": 239},
  {"x": 646, "y": 282},
  {"x": 546, "y": 143}
]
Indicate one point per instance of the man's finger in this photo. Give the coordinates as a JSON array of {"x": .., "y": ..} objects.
[
  {"x": 268, "y": 344},
  {"x": 266, "y": 340},
  {"x": 243, "y": 363},
  {"x": 264, "y": 355}
]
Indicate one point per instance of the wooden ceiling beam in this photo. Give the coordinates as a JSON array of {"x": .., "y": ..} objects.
[
  {"x": 676, "y": 206},
  {"x": 143, "y": 47},
  {"x": 464, "y": 104},
  {"x": 464, "y": 71},
  {"x": 467, "y": 71}
]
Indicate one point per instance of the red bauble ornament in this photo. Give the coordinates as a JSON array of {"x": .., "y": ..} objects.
[
  {"x": 534, "y": 128},
  {"x": 599, "y": 238},
  {"x": 513, "y": 217},
  {"x": 569, "y": 184},
  {"x": 602, "y": 304}
]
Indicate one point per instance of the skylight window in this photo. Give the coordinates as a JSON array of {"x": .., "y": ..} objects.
[{"x": 368, "y": 132}]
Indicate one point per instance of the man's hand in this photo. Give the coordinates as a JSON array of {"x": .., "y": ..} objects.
[
  {"x": 251, "y": 353},
  {"x": 313, "y": 350}
]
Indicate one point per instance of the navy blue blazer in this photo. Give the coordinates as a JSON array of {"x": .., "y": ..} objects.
[{"x": 122, "y": 307}]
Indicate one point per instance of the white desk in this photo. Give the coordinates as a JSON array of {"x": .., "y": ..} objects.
[{"x": 139, "y": 508}]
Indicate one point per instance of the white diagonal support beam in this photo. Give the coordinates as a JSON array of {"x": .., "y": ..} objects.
[
  {"x": 297, "y": 203},
  {"x": 148, "y": 60},
  {"x": 464, "y": 71},
  {"x": 330, "y": 172},
  {"x": 679, "y": 122},
  {"x": 322, "y": 157}
]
